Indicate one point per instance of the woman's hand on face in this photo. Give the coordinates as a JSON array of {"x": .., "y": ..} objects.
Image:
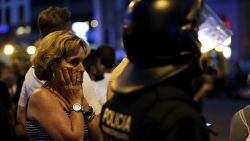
[{"x": 71, "y": 80}]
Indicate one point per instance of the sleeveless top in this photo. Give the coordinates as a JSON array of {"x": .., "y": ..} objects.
[{"x": 37, "y": 133}]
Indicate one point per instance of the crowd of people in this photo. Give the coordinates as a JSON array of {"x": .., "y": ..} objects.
[{"x": 71, "y": 92}]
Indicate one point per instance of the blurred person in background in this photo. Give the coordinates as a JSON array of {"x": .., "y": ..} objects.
[
  {"x": 20, "y": 67},
  {"x": 153, "y": 94},
  {"x": 5, "y": 107},
  {"x": 58, "y": 109},
  {"x": 93, "y": 65},
  {"x": 236, "y": 85},
  {"x": 12, "y": 76},
  {"x": 114, "y": 75},
  {"x": 95, "y": 69},
  {"x": 10, "y": 79},
  {"x": 204, "y": 84},
  {"x": 49, "y": 20},
  {"x": 107, "y": 58}
]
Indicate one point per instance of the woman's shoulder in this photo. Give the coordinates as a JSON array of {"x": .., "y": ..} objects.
[
  {"x": 40, "y": 92},
  {"x": 41, "y": 95}
]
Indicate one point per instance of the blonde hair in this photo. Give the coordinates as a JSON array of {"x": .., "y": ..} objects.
[{"x": 52, "y": 48}]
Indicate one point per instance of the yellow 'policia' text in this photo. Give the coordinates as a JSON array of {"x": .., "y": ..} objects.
[{"x": 117, "y": 120}]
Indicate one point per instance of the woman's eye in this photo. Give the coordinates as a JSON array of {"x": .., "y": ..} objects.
[{"x": 74, "y": 62}]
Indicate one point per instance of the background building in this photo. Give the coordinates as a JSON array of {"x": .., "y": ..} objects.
[{"x": 18, "y": 22}]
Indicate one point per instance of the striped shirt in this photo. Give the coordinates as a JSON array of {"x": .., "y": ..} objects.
[{"x": 37, "y": 133}]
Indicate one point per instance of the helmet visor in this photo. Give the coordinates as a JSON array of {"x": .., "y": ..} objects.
[{"x": 212, "y": 31}]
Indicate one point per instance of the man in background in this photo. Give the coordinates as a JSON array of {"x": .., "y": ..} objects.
[
  {"x": 95, "y": 69},
  {"x": 50, "y": 20},
  {"x": 107, "y": 57}
]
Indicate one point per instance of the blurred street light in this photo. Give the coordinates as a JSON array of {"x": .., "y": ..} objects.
[
  {"x": 31, "y": 50},
  {"x": 20, "y": 30},
  {"x": 227, "y": 52},
  {"x": 27, "y": 29},
  {"x": 94, "y": 23},
  {"x": 81, "y": 29},
  {"x": 8, "y": 49},
  {"x": 220, "y": 48}
]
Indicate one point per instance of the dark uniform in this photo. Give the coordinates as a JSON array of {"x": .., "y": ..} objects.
[
  {"x": 153, "y": 95},
  {"x": 153, "y": 116},
  {"x": 161, "y": 112}
]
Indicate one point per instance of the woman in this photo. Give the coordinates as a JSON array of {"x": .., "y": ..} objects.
[{"x": 58, "y": 110}]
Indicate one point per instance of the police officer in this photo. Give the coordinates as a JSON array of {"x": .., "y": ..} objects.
[{"x": 153, "y": 95}]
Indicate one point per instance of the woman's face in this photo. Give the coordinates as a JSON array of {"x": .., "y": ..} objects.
[{"x": 73, "y": 61}]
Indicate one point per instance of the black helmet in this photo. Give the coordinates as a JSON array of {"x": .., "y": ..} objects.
[
  {"x": 161, "y": 41},
  {"x": 161, "y": 32}
]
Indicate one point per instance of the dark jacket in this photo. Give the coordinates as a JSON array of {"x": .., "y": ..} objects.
[{"x": 161, "y": 112}]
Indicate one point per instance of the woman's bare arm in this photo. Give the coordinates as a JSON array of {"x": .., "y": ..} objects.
[{"x": 46, "y": 109}]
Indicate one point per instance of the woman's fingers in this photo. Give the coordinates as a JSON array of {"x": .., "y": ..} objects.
[
  {"x": 67, "y": 76},
  {"x": 79, "y": 78},
  {"x": 70, "y": 76},
  {"x": 81, "y": 72},
  {"x": 61, "y": 77},
  {"x": 74, "y": 76}
]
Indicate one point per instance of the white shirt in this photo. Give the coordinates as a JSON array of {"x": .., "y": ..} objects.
[
  {"x": 100, "y": 88},
  {"x": 31, "y": 82}
]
